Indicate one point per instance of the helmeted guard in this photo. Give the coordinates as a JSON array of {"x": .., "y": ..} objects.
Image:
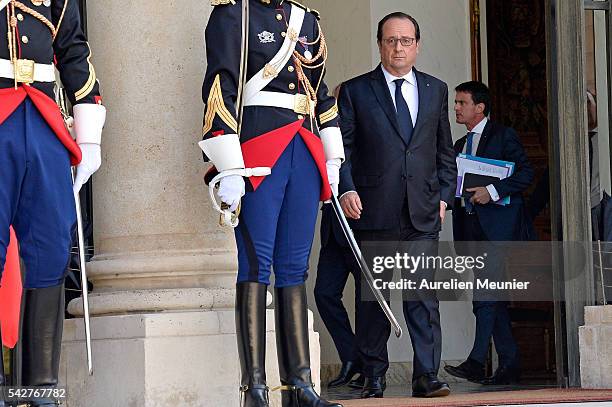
[
  {"x": 36, "y": 153},
  {"x": 276, "y": 116}
]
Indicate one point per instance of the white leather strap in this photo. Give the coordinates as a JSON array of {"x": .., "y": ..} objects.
[
  {"x": 262, "y": 78},
  {"x": 272, "y": 99},
  {"x": 42, "y": 72},
  {"x": 3, "y": 4},
  {"x": 248, "y": 172}
]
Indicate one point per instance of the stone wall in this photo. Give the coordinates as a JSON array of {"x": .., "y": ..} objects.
[{"x": 596, "y": 348}]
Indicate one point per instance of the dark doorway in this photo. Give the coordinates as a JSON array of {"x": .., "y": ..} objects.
[{"x": 516, "y": 67}]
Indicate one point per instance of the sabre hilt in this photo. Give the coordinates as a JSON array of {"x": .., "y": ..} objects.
[{"x": 227, "y": 217}]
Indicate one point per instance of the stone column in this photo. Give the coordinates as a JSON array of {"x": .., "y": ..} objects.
[
  {"x": 568, "y": 156},
  {"x": 164, "y": 271},
  {"x": 596, "y": 348}
]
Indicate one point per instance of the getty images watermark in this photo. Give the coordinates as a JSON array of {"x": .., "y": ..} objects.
[
  {"x": 405, "y": 262},
  {"x": 484, "y": 271}
]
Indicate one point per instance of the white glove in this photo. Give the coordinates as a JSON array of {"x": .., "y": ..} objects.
[
  {"x": 91, "y": 161},
  {"x": 231, "y": 189},
  {"x": 333, "y": 174}
]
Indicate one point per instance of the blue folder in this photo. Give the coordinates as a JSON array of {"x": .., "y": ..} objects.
[{"x": 499, "y": 163}]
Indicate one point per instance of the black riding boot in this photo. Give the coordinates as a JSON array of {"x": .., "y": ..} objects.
[
  {"x": 293, "y": 350},
  {"x": 251, "y": 334},
  {"x": 2, "y": 377},
  {"x": 43, "y": 321}
]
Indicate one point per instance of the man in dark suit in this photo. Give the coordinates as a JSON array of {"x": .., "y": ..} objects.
[
  {"x": 480, "y": 219},
  {"x": 398, "y": 180},
  {"x": 336, "y": 263}
]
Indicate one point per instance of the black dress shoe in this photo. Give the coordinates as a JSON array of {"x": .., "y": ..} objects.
[
  {"x": 348, "y": 371},
  {"x": 428, "y": 385},
  {"x": 503, "y": 375},
  {"x": 357, "y": 383},
  {"x": 470, "y": 370},
  {"x": 374, "y": 387}
]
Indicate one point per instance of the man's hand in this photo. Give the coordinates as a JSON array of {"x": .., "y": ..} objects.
[
  {"x": 90, "y": 163},
  {"x": 351, "y": 205},
  {"x": 442, "y": 211},
  {"x": 481, "y": 195}
]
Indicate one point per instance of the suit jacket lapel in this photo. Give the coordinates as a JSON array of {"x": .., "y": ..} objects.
[
  {"x": 484, "y": 139},
  {"x": 459, "y": 145},
  {"x": 424, "y": 89},
  {"x": 381, "y": 90}
]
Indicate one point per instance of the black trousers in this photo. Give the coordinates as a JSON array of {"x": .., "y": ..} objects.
[
  {"x": 336, "y": 263},
  {"x": 422, "y": 315},
  {"x": 492, "y": 317}
]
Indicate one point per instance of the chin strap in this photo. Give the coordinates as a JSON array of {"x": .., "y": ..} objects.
[{"x": 227, "y": 217}]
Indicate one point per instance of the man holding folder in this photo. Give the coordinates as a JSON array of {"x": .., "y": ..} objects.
[{"x": 481, "y": 217}]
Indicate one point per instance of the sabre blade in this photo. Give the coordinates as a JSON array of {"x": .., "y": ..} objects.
[
  {"x": 363, "y": 265},
  {"x": 84, "y": 293}
]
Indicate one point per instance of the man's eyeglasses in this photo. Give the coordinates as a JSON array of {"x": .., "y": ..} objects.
[{"x": 405, "y": 41}]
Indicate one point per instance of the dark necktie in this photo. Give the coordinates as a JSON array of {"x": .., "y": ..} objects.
[
  {"x": 403, "y": 112},
  {"x": 469, "y": 207},
  {"x": 470, "y": 142}
]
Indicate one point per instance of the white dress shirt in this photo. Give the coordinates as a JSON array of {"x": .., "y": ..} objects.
[
  {"x": 477, "y": 130},
  {"x": 410, "y": 91}
]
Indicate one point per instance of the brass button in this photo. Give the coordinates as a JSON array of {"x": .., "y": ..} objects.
[
  {"x": 291, "y": 68},
  {"x": 292, "y": 86},
  {"x": 283, "y": 34},
  {"x": 25, "y": 39},
  {"x": 20, "y": 17},
  {"x": 279, "y": 17},
  {"x": 300, "y": 117}
]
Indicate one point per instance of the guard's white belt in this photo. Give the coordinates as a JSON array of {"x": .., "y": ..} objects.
[
  {"x": 278, "y": 99},
  {"x": 42, "y": 72}
]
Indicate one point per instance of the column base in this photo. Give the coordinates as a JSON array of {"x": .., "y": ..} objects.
[
  {"x": 596, "y": 348},
  {"x": 186, "y": 359},
  {"x": 157, "y": 300}
]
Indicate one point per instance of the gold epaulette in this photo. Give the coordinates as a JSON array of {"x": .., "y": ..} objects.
[
  {"x": 222, "y": 2},
  {"x": 308, "y": 9}
]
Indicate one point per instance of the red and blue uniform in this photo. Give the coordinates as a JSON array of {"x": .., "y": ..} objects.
[
  {"x": 289, "y": 125},
  {"x": 36, "y": 153},
  {"x": 279, "y": 211},
  {"x": 36, "y": 149}
]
